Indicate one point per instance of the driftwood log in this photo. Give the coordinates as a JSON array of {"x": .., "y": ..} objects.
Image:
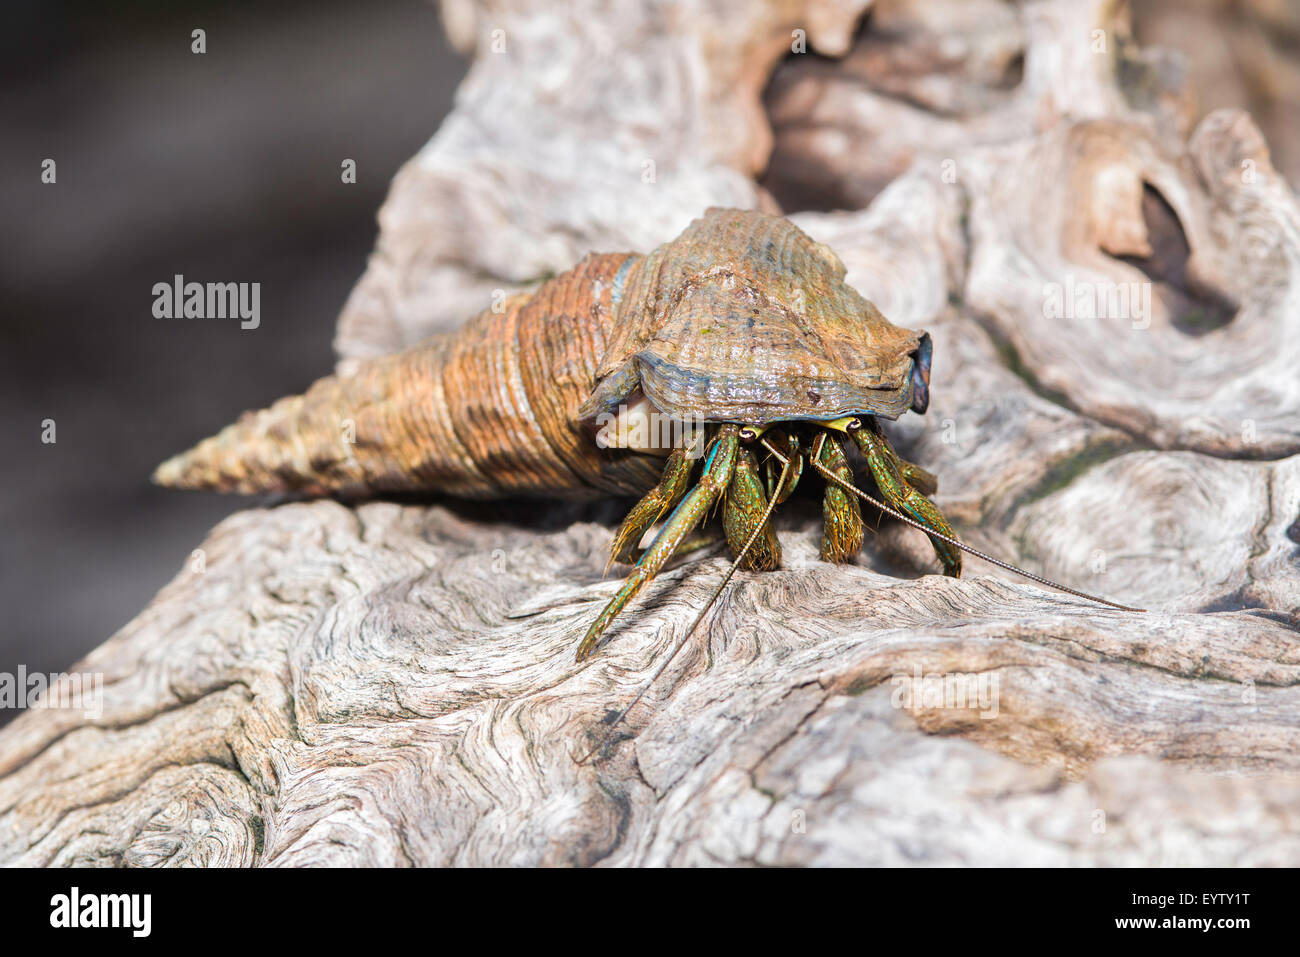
[{"x": 393, "y": 683}]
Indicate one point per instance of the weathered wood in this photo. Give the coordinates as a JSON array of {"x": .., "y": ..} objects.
[{"x": 395, "y": 684}]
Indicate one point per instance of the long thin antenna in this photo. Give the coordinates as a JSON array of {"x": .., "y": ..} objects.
[
  {"x": 767, "y": 514},
  {"x": 848, "y": 487}
]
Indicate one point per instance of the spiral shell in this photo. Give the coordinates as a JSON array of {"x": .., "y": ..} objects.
[{"x": 743, "y": 318}]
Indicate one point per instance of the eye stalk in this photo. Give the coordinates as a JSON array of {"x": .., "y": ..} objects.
[{"x": 921, "y": 374}]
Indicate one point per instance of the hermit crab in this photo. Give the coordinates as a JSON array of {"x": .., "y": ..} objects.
[{"x": 716, "y": 371}]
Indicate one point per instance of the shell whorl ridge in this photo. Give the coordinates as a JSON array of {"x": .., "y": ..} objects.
[{"x": 743, "y": 318}]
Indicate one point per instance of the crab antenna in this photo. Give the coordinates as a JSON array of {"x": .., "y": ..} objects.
[
  {"x": 767, "y": 514},
  {"x": 848, "y": 487}
]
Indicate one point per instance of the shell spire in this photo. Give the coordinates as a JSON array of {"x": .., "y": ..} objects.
[
  {"x": 481, "y": 412},
  {"x": 344, "y": 436}
]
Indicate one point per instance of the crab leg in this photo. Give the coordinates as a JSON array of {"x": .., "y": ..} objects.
[
  {"x": 841, "y": 515},
  {"x": 923, "y": 480},
  {"x": 672, "y": 486},
  {"x": 788, "y": 444},
  {"x": 718, "y": 465},
  {"x": 897, "y": 492},
  {"x": 745, "y": 508}
]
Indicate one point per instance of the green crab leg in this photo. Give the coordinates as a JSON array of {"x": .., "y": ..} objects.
[
  {"x": 672, "y": 486},
  {"x": 718, "y": 464},
  {"x": 897, "y": 492},
  {"x": 745, "y": 508},
  {"x": 788, "y": 443},
  {"x": 842, "y": 529},
  {"x": 923, "y": 480}
]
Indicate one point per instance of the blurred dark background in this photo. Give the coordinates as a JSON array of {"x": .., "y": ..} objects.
[{"x": 222, "y": 167}]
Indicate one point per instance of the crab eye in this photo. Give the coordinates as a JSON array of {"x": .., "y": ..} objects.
[{"x": 921, "y": 374}]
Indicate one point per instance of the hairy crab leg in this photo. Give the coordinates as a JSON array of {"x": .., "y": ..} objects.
[
  {"x": 658, "y": 501},
  {"x": 718, "y": 465},
  {"x": 788, "y": 442},
  {"x": 902, "y": 496},
  {"x": 744, "y": 512},
  {"x": 842, "y": 529},
  {"x": 923, "y": 480}
]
